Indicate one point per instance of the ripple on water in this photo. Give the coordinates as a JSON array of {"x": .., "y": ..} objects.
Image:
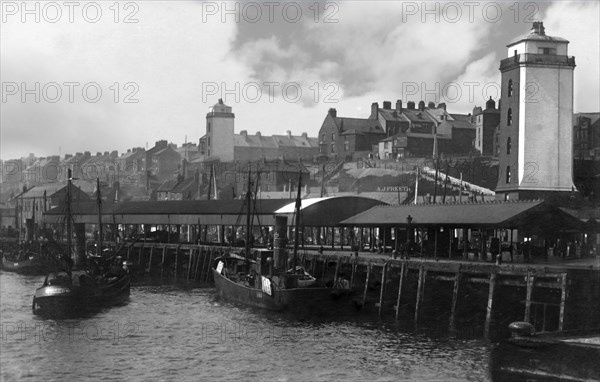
[{"x": 170, "y": 333}]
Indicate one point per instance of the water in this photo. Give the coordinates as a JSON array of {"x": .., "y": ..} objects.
[{"x": 172, "y": 333}]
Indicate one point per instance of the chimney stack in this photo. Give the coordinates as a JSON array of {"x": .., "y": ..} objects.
[
  {"x": 538, "y": 28},
  {"x": 422, "y": 105},
  {"x": 399, "y": 105},
  {"x": 387, "y": 105},
  {"x": 333, "y": 112},
  {"x": 374, "y": 110},
  {"x": 441, "y": 105},
  {"x": 410, "y": 105}
]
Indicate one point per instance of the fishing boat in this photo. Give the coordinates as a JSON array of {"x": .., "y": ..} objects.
[
  {"x": 548, "y": 356},
  {"x": 24, "y": 262},
  {"x": 102, "y": 282},
  {"x": 265, "y": 279}
]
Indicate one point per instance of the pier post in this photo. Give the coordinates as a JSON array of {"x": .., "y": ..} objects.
[
  {"x": 325, "y": 262},
  {"x": 530, "y": 279},
  {"x": 455, "y": 290},
  {"x": 337, "y": 269},
  {"x": 190, "y": 264},
  {"x": 366, "y": 284},
  {"x": 204, "y": 261},
  {"x": 420, "y": 290},
  {"x": 150, "y": 261},
  {"x": 176, "y": 260},
  {"x": 382, "y": 290},
  {"x": 162, "y": 268},
  {"x": 563, "y": 299},
  {"x": 354, "y": 265},
  {"x": 140, "y": 254},
  {"x": 198, "y": 258},
  {"x": 402, "y": 272},
  {"x": 210, "y": 257},
  {"x": 129, "y": 252},
  {"x": 490, "y": 304}
]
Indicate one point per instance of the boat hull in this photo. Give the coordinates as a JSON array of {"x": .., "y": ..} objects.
[
  {"x": 57, "y": 300},
  {"x": 551, "y": 357},
  {"x": 25, "y": 267},
  {"x": 310, "y": 300}
]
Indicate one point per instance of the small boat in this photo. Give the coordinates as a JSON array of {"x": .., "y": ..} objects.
[
  {"x": 79, "y": 292},
  {"x": 548, "y": 356},
  {"x": 254, "y": 280},
  {"x": 26, "y": 263},
  {"x": 101, "y": 283}
]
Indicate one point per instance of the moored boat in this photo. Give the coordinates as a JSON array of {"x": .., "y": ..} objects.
[
  {"x": 98, "y": 283},
  {"x": 24, "y": 263},
  {"x": 264, "y": 279},
  {"x": 549, "y": 356},
  {"x": 79, "y": 292}
]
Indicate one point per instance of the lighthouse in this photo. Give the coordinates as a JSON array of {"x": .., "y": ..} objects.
[{"x": 536, "y": 149}]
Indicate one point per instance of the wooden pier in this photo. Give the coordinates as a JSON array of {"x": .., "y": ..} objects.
[{"x": 457, "y": 293}]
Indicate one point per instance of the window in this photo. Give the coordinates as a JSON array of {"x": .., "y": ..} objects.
[
  {"x": 333, "y": 136},
  {"x": 510, "y": 87},
  {"x": 509, "y": 117},
  {"x": 208, "y": 128},
  {"x": 323, "y": 138},
  {"x": 208, "y": 141},
  {"x": 546, "y": 51},
  {"x": 508, "y": 146},
  {"x": 346, "y": 146},
  {"x": 507, "y": 174},
  {"x": 333, "y": 148}
]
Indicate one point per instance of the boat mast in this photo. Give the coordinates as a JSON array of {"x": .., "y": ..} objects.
[
  {"x": 248, "y": 210},
  {"x": 69, "y": 232},
  {"x": 297, "y": 220},
  {"x": 99, "y": 201}
]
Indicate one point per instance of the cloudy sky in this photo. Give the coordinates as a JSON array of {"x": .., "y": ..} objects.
[{"x": 95, "y": 76}]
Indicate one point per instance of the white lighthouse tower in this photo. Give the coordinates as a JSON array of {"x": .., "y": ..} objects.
[
  {"x": 219, "y": 132},
  {"x": 536, "y": 149}
]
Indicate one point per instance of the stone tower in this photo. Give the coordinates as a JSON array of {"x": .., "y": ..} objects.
[
  {"x": 536, "y": 150},
  {"x": 219, "y": 132}
]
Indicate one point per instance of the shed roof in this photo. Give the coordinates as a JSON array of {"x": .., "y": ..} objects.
[
  {"x": 457, "y": 214},
  {"x": 328, "y": 211}
]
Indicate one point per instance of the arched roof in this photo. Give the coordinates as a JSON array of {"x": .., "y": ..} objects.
[{"x": 328, "y": 211}]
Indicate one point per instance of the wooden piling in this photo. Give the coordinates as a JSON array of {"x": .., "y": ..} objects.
[
  {"x": 354, "y": 265},
  {"x": 313, "y": 264},
  {"x": 420, "y": 290},
  {"x": 129, "y": 252},
  {"x": 176, "y": 263},
  {"x": 150, "y": 261},
  {"x": 140, "y": 254},
  {"x": 190, "y": 264},
  {"x": 366, "y": 284},
  {"x": 490, "y": 304},
  {"x": 208, "y": 269},
  {"x": 402, "y": 272},
  {"x": 337, "y": 269},
  {"x": 162, "y": 268},
  {"x": 325, "y": 262},
  {"x": 530, "y": 279},
  {"x": 455, "y": 290},
  {"x": 382, "y": 290},
  {"x": 563, "y": 299},
  {"x": 198, "y": 258}
]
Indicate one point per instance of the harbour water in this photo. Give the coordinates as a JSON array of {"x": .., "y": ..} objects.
[{"x": 168, "y": 333}]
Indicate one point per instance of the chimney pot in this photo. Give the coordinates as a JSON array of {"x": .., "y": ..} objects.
[{"x": 399, "y": 105}]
